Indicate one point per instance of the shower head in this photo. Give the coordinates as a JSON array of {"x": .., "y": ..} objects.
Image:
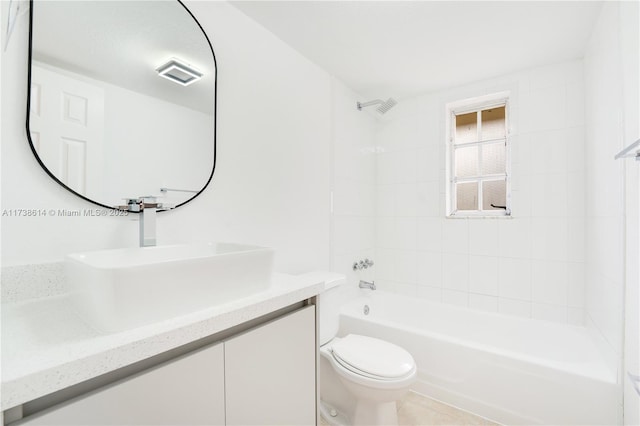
[{"x": 384, "y": 105}]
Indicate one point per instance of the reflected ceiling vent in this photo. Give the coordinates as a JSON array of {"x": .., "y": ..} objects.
[{"x": 179, "y": 72}]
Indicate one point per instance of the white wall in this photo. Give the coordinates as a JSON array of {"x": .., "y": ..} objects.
[
  {"x": 611, "y": 75},
  {"x": 530, "y": 265},
  {"x": 272, "y": 179}
]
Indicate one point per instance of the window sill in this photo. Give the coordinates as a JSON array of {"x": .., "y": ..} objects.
[{"x": 480, "y": 216}]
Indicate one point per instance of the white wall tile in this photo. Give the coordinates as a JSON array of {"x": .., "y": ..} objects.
[
  {"x": 576, "y": 284},
  {"x": 575, "y": 103},
  {"x": 406, "y": 233},
  {"x": 455, "y": 236},
  {"x": 455, "y": 271},
  {"x": 385, "y": 168},
  {"x": 429, "y": 268},
  {"x": 458, "y": 298},
  {"x": 385, "y": 232},
  {"x": 353, "y": 198},
  {"x": 514, "y": 237},
  {"x": 406, "y": 266},
  {"x": 576, "y": 149},
  {"x": 550, "y": 312},
  {"x": 406, "y": 289},
  {"x": 483, "y": 275},
  {"x": 385, "y": 200},
  {"x": 385, "y": 285},
  {"x": 353, "y": 233},
  {"x": 429, "y": 164},
  {"x": 483, "y": 237},
  {"x": 547, "y": 76},
  {"x": 514, "y": 307},
  {"x": 548, "y": 107},
  {"x": 384, "y": 264},
  {"x": 576, "y": 194},
  {"x": 576, "y": 239},
  {"x": 521, "y": 202},
  {"x": 433, "y": 294},
  {"x": 428, "y": 198},
  {"x": 483, "y": 303},
  {"x": 406, "y": 199},
  {"x": 549, "y": 195},
  {"x": 523, "y": 153},
  {"x": 430, "y": 233},
  {"x": 550, "y": 153},
  {"x": 406, "y": 167},
  {"x": 549, "y": 238},
  {"x": 514, "y": 278},
  {"x": 550, "y": 282}
]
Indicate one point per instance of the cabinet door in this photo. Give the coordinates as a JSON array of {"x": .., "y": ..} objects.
[
  {"x": 270, "y": 373},
  {"x": 186, "y": 391}
]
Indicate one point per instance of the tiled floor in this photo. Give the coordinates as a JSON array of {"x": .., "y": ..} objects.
[{"x": 417, "y": 410}]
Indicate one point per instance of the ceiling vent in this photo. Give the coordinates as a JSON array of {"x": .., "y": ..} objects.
[{"x": 179, "y": 72}]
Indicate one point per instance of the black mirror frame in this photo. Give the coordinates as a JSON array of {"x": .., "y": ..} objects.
[{"x": 215, "y": 113}]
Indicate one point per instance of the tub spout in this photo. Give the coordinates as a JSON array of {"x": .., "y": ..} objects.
[{"x": 366, "y": 284}]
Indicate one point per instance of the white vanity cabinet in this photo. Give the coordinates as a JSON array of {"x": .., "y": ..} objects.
[
  {"x": 270, "y": 373},
  {"x": 264, "y": 375}
]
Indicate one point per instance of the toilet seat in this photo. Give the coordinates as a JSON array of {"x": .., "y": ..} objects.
[{"x": 371, "y": 362}]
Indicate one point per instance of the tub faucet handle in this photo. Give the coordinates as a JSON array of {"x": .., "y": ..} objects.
[{"x": 363, "y": 264}]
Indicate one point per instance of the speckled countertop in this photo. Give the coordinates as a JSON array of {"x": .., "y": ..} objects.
[{"x": 46, "y": 347}]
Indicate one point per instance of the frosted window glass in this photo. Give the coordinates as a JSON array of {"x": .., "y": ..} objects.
[
  {"x": 493, "y": 123},
  {"x": 466, "y": 128},
  {"x": 494, "y": 192},
  {"x": 467, "y": 161},
  {"x": 493, "y": 158},
  {"x": 467, "y": 196}
]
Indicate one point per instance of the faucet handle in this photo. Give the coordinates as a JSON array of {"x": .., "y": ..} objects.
[
  {"x": 166, "y": 206},
  {"x": 130, "y": 206}
]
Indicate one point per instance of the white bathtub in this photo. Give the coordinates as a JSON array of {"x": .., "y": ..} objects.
[{"x": 508, "y": 369}]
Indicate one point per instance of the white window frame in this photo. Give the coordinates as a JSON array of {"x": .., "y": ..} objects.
[{"x": 464, "y": 107}]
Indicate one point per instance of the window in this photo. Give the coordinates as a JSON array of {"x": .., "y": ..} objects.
[{"x": 478, "y": 157}]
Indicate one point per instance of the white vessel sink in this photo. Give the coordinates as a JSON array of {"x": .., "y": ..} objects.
[{"x": 119, "y": 289}]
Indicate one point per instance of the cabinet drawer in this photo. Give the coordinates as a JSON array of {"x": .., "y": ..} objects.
[{"x": 186, "y": 391}]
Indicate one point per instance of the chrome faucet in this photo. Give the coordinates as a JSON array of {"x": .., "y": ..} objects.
[
  {"x": 366, "y": 284},
  {"x": 147, "y": 206}
]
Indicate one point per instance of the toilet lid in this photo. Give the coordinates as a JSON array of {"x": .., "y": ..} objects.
[{"x": 373, "y": 357}]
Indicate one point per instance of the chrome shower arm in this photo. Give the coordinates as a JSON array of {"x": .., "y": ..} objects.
[{"x": 366, "y": 104}]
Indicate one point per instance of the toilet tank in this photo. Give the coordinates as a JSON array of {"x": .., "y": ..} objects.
[{"x": 329, "y": 302}]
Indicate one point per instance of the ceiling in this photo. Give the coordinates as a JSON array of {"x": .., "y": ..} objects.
[{"x": 404, "y": 48}]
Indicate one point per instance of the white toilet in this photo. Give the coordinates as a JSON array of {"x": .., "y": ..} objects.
[{"x": 374, "y": 372}]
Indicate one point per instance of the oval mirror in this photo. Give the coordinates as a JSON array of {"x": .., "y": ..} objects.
[{"x": 122, "y": 99}]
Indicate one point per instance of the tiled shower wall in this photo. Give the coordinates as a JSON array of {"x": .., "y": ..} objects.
[
  {"x": 531, "y": 264},
  {"x": 353, "y": 185}
]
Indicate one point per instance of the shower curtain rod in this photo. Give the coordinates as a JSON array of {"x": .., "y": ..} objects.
[{"x": 626, "y": 153}]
